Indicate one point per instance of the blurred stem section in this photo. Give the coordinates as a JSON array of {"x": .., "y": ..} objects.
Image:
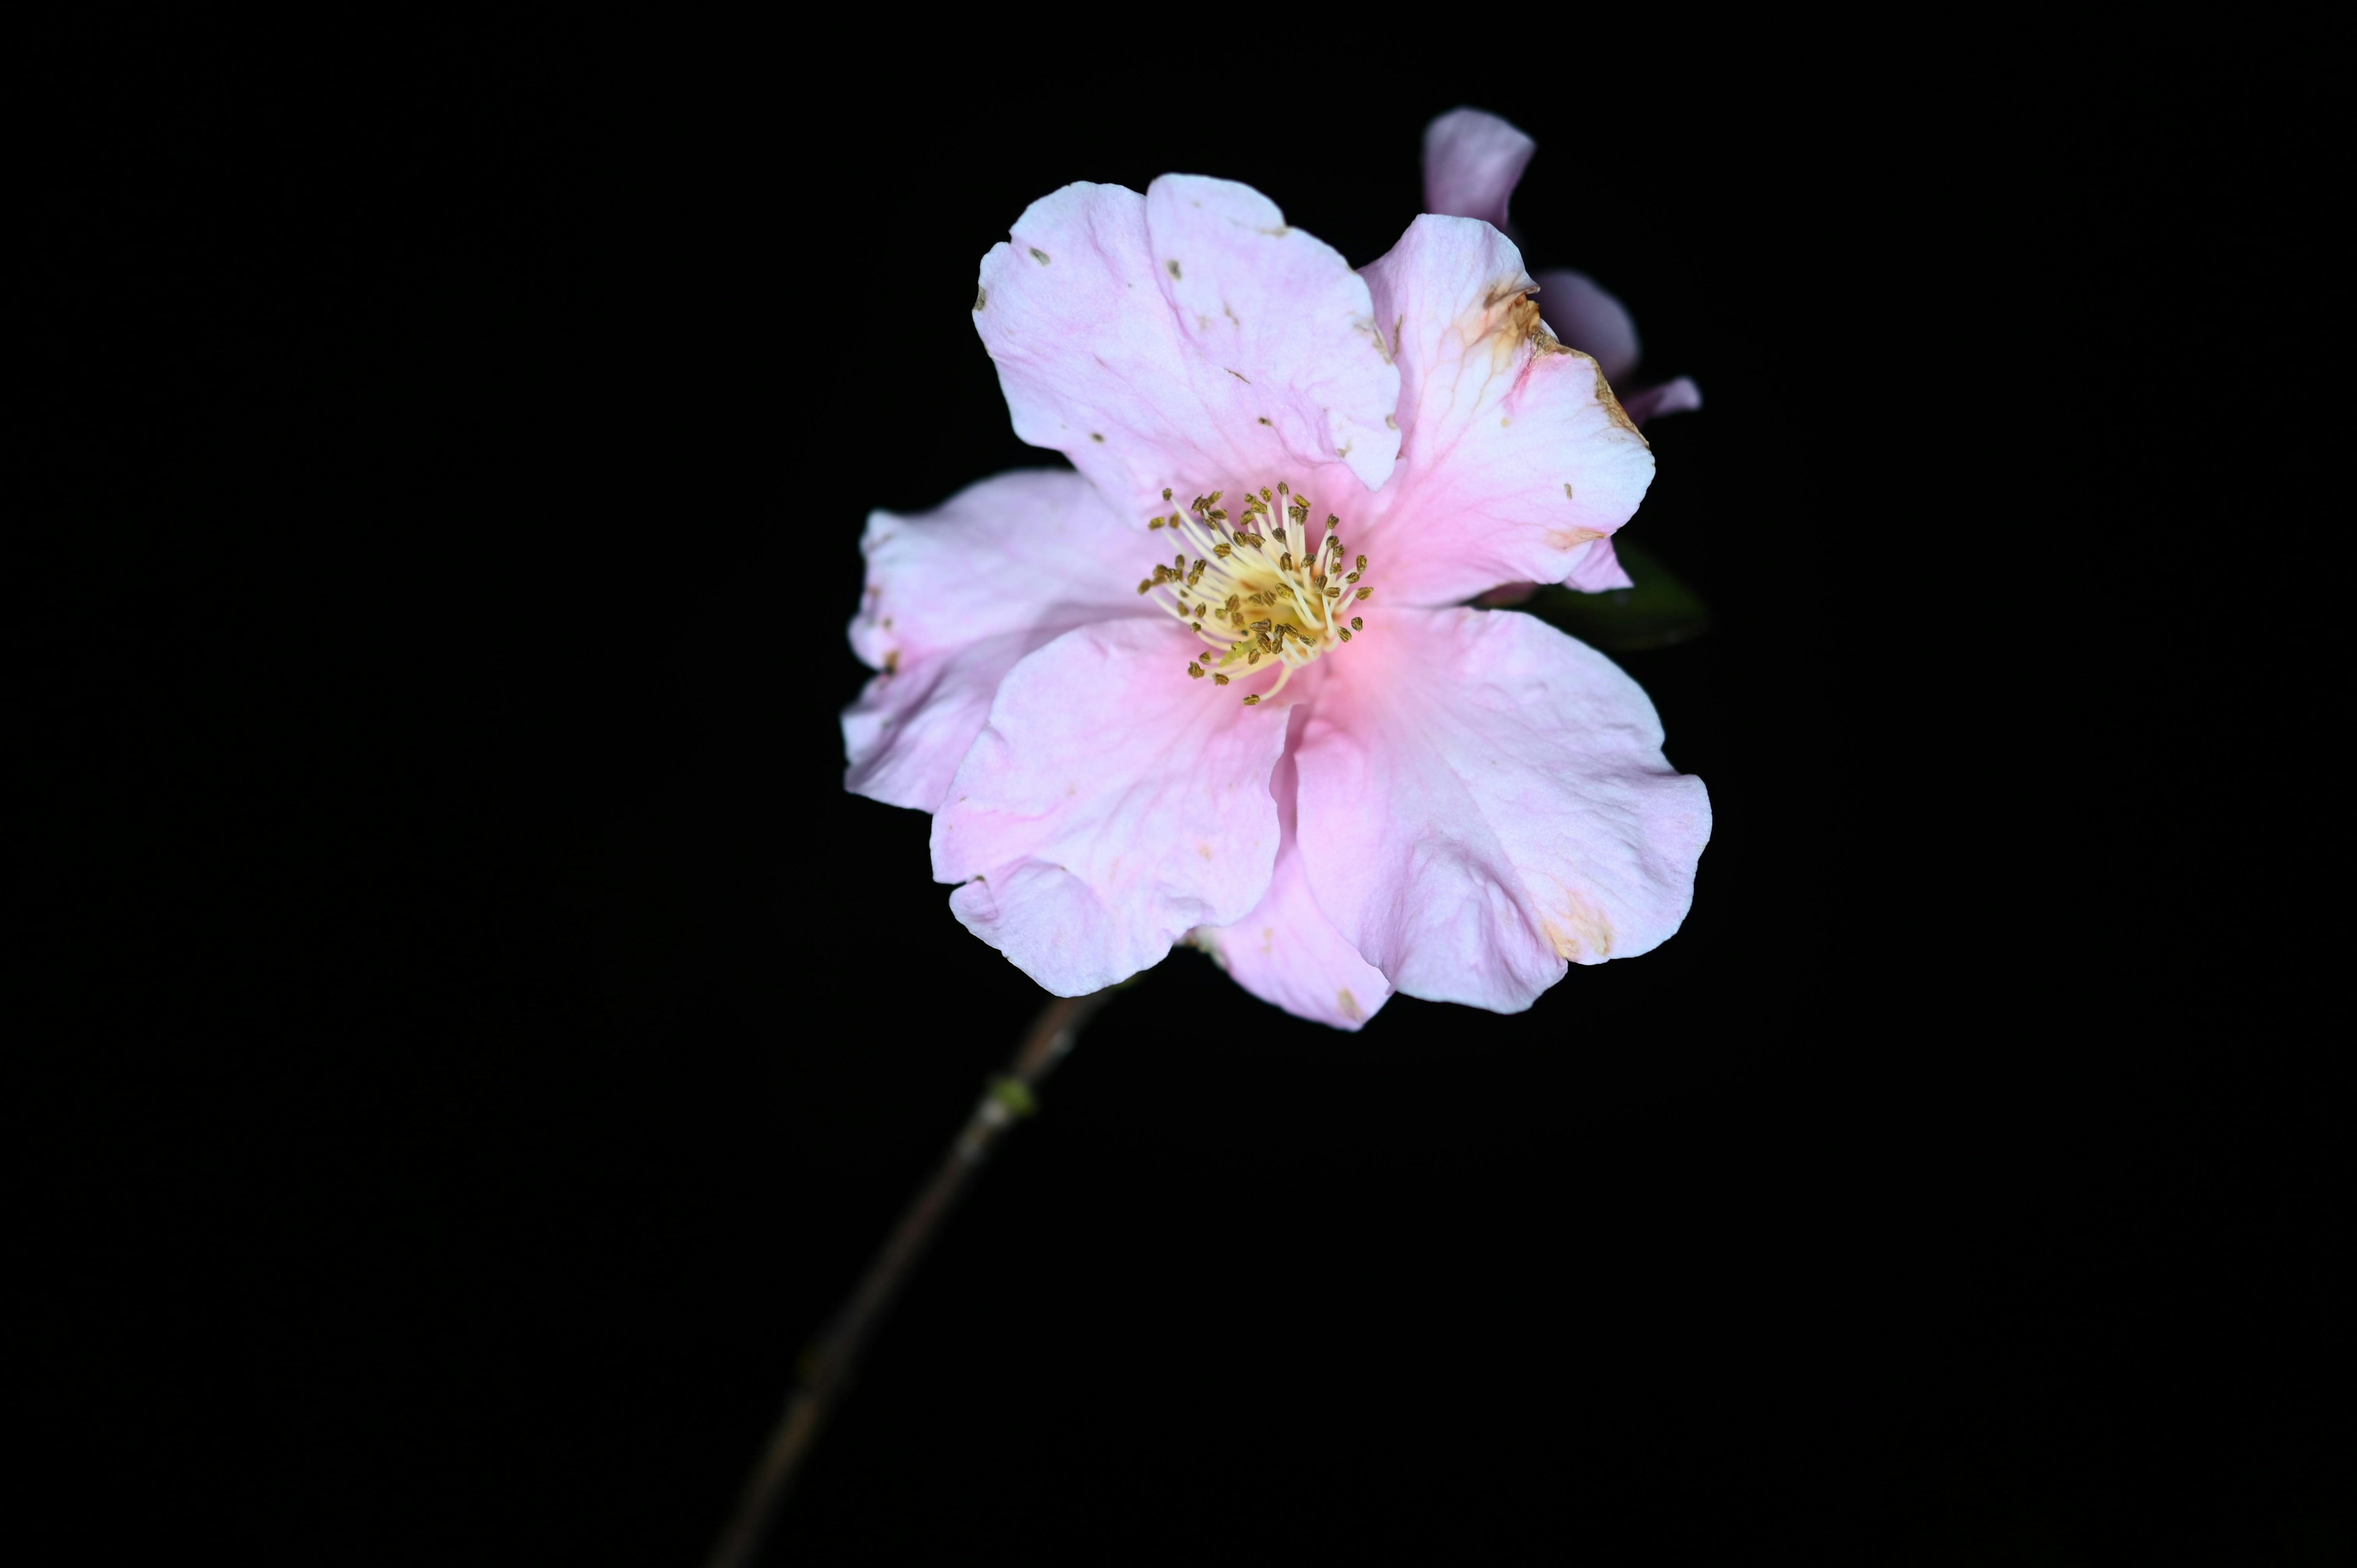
[{"x": 829, "y": 1360}]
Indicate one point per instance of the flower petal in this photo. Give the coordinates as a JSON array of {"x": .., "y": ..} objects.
[
  {"x": 1185, "y": 339},
  {"x": 905, "y": 736},
  {"x": 1011, "y": 553},
  {"x": 1516, "y": 455},
  {"x": 1599, "y": 569},
  {"x": 1472, "y": 161},
  {"x": 1586, "y": 317},
  {"x": 1482, "y": 798},
  {"x": 1286, "y": 950},
  {"x": 955, "y": 596},
  {"x": 1110, "y": 804},
  {"x": 1679, "y": 396}
]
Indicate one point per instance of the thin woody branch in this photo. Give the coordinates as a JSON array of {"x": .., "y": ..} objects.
[{"x": 827, "y": 1364}]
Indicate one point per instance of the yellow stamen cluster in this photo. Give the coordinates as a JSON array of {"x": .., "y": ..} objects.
[{"x": 1256, "y": 591}]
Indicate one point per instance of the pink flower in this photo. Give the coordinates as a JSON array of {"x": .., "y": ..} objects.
[{"x": 1222, "y": 683}]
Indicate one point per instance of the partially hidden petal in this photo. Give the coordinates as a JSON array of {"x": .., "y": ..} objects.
[
  {"x": 1029, "y": 548},
  {"x": 1110, "y": 804},
  {"x": 1679, "y": 396},
  {"x": 1185, "y": 339},
  {"x": 1472, "y": 161},
  {"x": 1584, "y": 316},
  {"x": 1516, "y": 455},
  {"x": 1286, "y": 950},
  {"x": 903, "y": 739},
  {"x": 1599, "y": 569},
  {"x": 955, "y": 596},
  {"x": 1484, "y": 800}
]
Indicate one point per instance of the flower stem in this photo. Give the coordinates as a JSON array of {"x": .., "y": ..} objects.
[{"x": 828, "y": 1362}]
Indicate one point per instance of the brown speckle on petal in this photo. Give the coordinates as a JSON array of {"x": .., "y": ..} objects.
[
  {"x": 1567, "y": 491},
  {"x": 1265, "y": 420},
  {"x": 1173, "y": 264},
  {"x": 1611, "y": 405},
  {"x": 891, "y": 662},
  {"x": 1039, "y": 255},
  {"x": 1095, "y": 437},
  {"x": 1348, "y": 1005},
  {"x": 1578, "y": 922},
  {"x": 980, "y": 298},
  {"x": 1520, "y": 324}
]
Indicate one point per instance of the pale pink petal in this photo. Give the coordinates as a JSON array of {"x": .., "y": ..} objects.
[
  {"x": 1186, "y": 339},
  {"x": 1110, "y": 804},
  {"x": 1680, "y": 396},
  {"x": 1472, "y": 161},
  {"x": 1515, "y": 453},
  {"x": 1586, "y": 317},
  {"x": 1286, "y": 950},
  {"x": 1005, "y": 554},
  {"x": 1598, "y": 570},
  {"x": 1484, "y": 799},
  {"x": 956, "y": 596},
  {"x": 905, "y": 736}
]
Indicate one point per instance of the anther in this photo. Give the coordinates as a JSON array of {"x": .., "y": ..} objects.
[
  {"x": 1364, "y": 592},
  {"x": 1219, "y": 680},
  {"x": 1358, "y": 623},
  {"x": 1251, "y": 702}
]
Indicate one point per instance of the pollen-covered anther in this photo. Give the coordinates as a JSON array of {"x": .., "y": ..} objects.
[{"x": 1255, "y": 592}]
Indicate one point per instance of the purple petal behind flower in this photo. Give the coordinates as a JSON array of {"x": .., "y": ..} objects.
[
  {"x": 1680, "y": 396},
  {"x": 1472, "y": 161},
  {"x": 1588, "y": 318}
]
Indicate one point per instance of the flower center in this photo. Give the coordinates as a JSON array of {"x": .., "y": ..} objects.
[{"x": 1256, "y": 592}]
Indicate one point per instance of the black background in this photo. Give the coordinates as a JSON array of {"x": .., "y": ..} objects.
[{"x": 530, "y": 1040}]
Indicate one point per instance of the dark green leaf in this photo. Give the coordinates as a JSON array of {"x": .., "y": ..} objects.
[{"x": 1659, "y": 611}]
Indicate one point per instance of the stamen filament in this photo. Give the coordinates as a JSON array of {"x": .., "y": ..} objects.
[{"x": 1252, "y": 562}]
